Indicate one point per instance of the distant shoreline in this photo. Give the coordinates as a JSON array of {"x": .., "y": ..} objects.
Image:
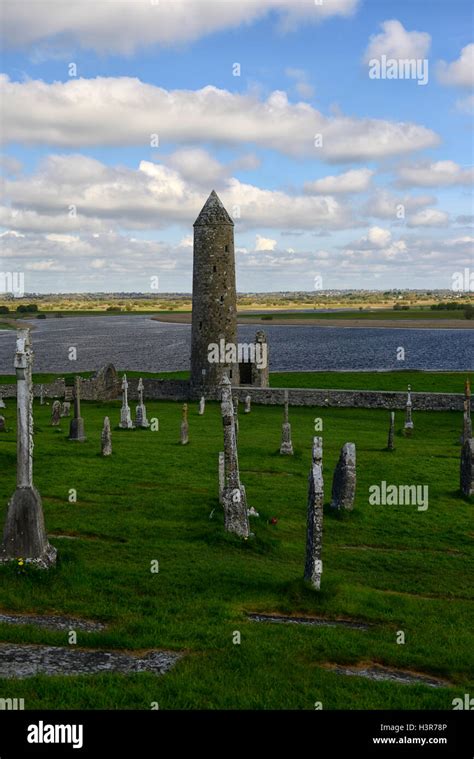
[{"x": 181, "y": 318}]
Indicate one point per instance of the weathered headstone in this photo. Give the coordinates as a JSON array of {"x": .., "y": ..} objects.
[
  {"x": 76, "y": 428},
  {"x": 391, "y": 433},
  {"x": 2, "y": 402},
  {"x": 106, "y": 439},
  {"x": 2, "y": 424},
  {"x": 41, "y": 395},
  {"x": 314, "y": 526},
  {"x": 234, "y": 498},
  {"x": 344, "y": 480},
  {"x": 467, "y": 468},
  {"x": 55, "y": 413},
  {"x": 202, "y": 405},
  {"x": 125, "y": 417},
  {"x": 408, "y": 417},
  {"x": 140, "y": 410},
  {"x": 286, "y": 447},
  {"x": 24, "y": 534},
  {"x": 317, "y": 452},
  {"x": 467, "y": 424},
  {"x": 248, "y": 404},
  {"x": 467, "y": 394},
  {"x": 185, "y": 426},
  {"x": 221, "y": 476},
  {"x": 66, "y": 409}
]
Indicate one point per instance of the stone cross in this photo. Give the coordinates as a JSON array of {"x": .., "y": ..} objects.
[
  {"x": 185, "y": 426},
  {"x": 140, "y": 410},
  {"x": 408, "y": 418},
  {"x": 41, "y": 395},
  {"x": 314, "y": 528},
  {"x": 125, "y": 417},
  {"x": 234, "y": 498},
  {"x": 202, "y": 405},
  {"x": 467, "y": 468},
  {"x": 286, "y": 447},
  {"x": 391, "y": 433},
  {"x": 344, "y": 481},
  {"x": 24, "y": 534},
  {"x": 248, "y": 404},
  {"x": 55, "y": 413},
  {"x": 106, "y": 438},
  {"x": 66, "y": 409},
  {"x": 221, "y": 477},
  {"x": 76, "y": 428}
]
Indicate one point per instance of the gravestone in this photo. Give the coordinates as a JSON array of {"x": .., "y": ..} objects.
[
  {"x": 202, "y": 405},
  {"x": 234, "y": 498},
  {"x": 467, "y": 468},
  {"x": 76, "y": 428},
  {"x": 66, "y": 409},
  {"x": 2, "y": 402},
  {"x": 221, "y": 477},
  {"x": 467, "y": 423},
  {"x": 286, "y": 447},
  {"x": 140, "y": 410},
  {"x": 24, "y": 534},
  {"x": 344, "y": 480},
  {"x": 391, "y": 433},
  {"x": 408, "y": 417},
  {"x": 248, "y": 404},
  {"x": 2, "y": 424},
  {"x": 55, "y": 413},
  {"x": 317, "y": 452},
  {"x": 185, "y": 426},
  {"x": 106, "y": 439},
  {"x": 314, "y": 526},
  {"x": 41, "y": 395},
  {"x": 125, "y": 417}
]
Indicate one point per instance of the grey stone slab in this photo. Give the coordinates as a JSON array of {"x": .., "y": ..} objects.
[
  {"x": 18, "y": 661},
  {"x": 51, "y": 622},
  {"x": 314, "y": 621},
  {"x": 375, "y": 672}
]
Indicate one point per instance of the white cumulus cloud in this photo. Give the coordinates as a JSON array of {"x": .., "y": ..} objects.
[{"x": 396, "y": 42}]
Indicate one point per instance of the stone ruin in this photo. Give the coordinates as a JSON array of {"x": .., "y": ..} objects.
[
  {"x": 344, "y": 480},
  {"x": 24, "y": 534}
]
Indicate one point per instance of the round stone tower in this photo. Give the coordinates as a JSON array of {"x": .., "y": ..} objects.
[{"x": 214, "y": 318}]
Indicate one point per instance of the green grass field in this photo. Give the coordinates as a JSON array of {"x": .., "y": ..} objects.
[
  {"x": 395, "y": 567},
  {"x": 435, "y": 382},
  {"x": 383, "y": 313}
]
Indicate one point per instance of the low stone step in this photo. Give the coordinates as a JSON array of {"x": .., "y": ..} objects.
[{"x": 51, "y": 622}]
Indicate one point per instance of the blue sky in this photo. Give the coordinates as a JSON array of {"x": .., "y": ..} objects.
[{"x": 90, "y": 205}]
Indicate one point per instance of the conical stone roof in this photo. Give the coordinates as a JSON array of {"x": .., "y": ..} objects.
[{"x": 213, "y": 212}]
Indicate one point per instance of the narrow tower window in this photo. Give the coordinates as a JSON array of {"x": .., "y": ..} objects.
[
  {"x": 222, "y": 299},
  {"x": 226, "y": 248},
  {"x": 214, "y": 268}
]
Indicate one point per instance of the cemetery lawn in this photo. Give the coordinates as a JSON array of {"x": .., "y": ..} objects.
[{"x": 394, "y": 567}]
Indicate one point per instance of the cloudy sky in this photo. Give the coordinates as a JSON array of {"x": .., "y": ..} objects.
[{"x": 120, "y": 116}]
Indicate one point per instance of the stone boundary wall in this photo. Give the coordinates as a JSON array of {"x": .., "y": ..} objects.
[{"x": 179, "y": 390}]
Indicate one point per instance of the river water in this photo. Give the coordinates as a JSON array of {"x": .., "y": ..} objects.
[{"x": 138, "y": 343}]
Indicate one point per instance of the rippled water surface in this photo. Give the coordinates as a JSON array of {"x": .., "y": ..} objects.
[{"x": 138, "y": 343}]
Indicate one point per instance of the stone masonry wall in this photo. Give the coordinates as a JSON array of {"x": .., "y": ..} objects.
[{"x": 179, "y": 390}]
